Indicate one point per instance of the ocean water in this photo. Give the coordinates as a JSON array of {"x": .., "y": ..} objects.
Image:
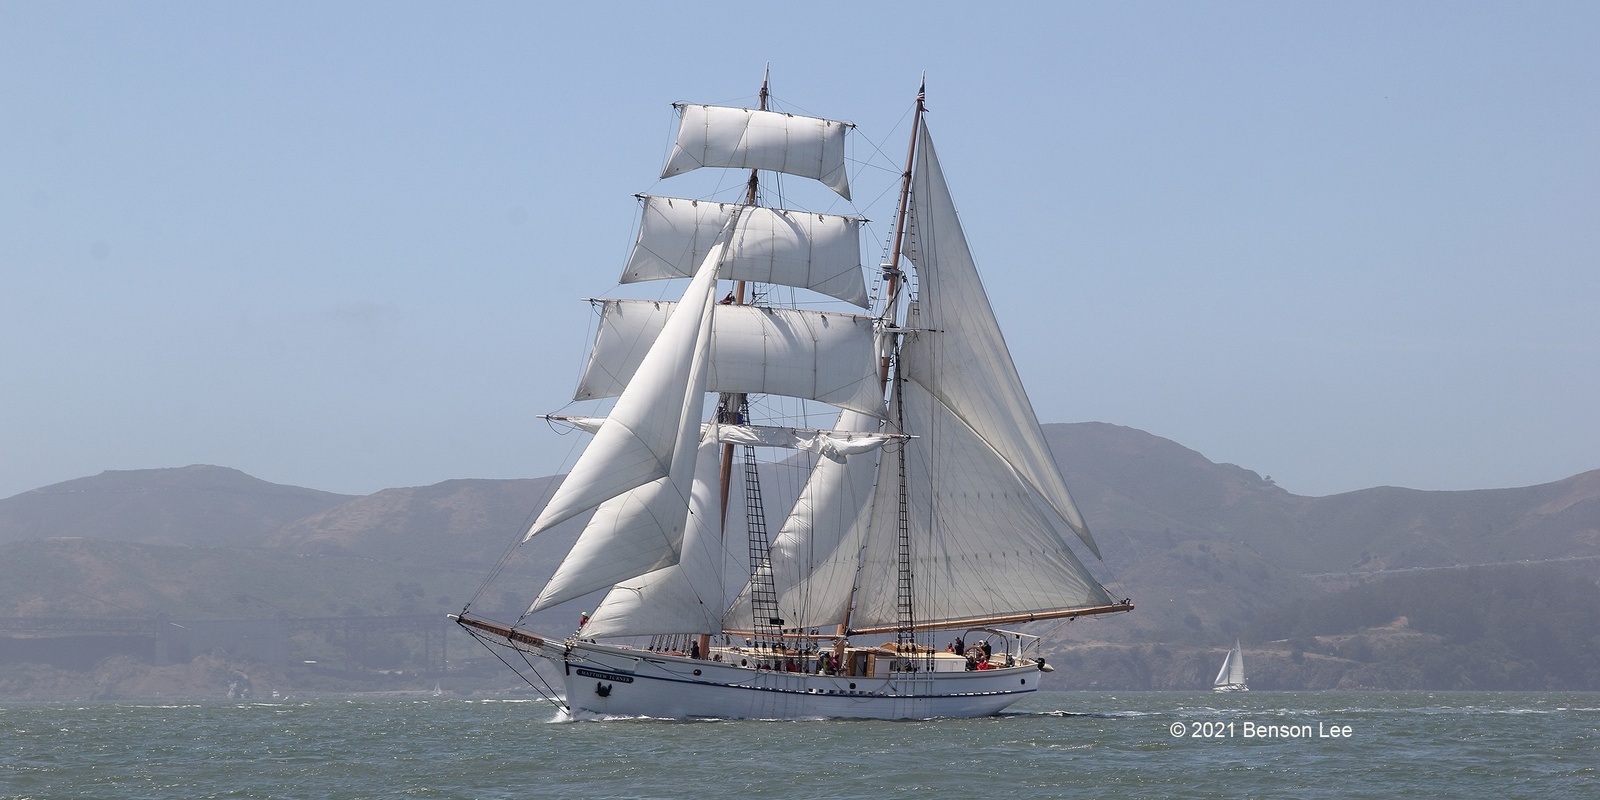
[{"x": 1053, "y": 745}]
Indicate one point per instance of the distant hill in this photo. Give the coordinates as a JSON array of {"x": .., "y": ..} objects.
[
  {"x": 1133, "y": 483},
  {"x": 1207, "y": 552},
  {"x": 1390, "y": 528},
  {"x": 463, "y": 526},
  {"x": 459, "y": 521},
  {"x": 198, "y": 506},
  {"x": 99, "y": 578},
  {"x": 209, "y": 542},
  {"x": 1203, "y": 548}
]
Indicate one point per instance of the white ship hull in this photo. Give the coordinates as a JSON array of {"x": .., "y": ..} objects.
[{"x": 622, "y": 682}]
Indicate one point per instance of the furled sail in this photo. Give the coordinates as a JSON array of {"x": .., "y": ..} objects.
[
  {"x": 754, "y": 350},
  {"x": 820, "y": 252},
  {"x": 653, "y": 418},
  {"x": 966, "y": 364},
  {"x": 743, "y": 138},
  {"x": 834, "y": 445}
]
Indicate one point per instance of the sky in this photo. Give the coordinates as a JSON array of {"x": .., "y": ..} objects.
[{"x": 346, "y": 245}]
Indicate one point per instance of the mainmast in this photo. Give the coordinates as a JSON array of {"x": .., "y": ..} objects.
[
  {"x": 893, "y": 275},
  {"x": 894, "y": 279}
]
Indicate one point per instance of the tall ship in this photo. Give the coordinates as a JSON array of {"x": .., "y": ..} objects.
[{"x": 929, "y": 523}]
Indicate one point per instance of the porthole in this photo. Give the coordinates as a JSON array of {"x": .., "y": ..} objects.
[{"x": 697, "y": 672}]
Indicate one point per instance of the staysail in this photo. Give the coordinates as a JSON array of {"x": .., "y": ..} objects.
[
  {"x": 815, "y": 556},
  {"x": 686, "y": 596},
  {"x": 641, "y": 462}
]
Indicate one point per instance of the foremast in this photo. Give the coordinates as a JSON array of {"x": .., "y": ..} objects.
[{"x": 733, "y": 409}]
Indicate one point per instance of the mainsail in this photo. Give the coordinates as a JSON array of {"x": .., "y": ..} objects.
[{"x": 964, "y": 361}]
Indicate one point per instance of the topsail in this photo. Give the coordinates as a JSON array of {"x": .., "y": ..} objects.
[{"x": 743, "y": 138}]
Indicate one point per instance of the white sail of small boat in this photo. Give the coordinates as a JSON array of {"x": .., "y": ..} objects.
[
  {"x": 1231, "y": 677},
  {"x": 931, "y": 510}
]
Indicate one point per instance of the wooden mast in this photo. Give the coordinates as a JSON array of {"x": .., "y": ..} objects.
[
  {"x": 732, "y": 403},
  {"x": 892, "y": 271},
  {"x": 891, "y": 313}
]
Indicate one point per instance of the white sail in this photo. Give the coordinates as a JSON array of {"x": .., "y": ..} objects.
[
  {"x": 658, "y": 411},
  {"x": 687, "y": 596},
  {"x": 985, "y": 541},
  {"x": 743, "y": 138},
  {"x": 1232, "y": 673},
  {"x": 815, "y": 555},
  {"x": 820, "y": 252},
  {"x": 823, "y": 356},
  {"x": 966, "y": 362}
]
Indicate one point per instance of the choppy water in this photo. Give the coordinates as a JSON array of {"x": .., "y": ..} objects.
[{"x": 1062, "y": 744}]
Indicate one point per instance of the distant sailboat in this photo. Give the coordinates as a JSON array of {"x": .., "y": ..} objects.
[{"x": 1231, "y": 677}]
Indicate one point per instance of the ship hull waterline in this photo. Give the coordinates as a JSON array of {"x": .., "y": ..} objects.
[
  {"x": 608, "y": 681},
  {"x": 620, "y": 682}
]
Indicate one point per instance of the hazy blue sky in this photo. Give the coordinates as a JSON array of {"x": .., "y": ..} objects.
[{"x": 343, "y": 245}]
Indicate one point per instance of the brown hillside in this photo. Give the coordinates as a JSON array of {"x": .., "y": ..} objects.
[
  {"x": 459, "y": 521},
  {"x": 198, "y": 506}
]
